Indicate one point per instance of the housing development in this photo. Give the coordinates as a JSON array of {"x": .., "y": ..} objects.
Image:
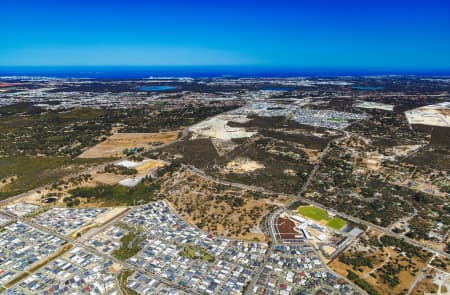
[{"x": 227, "y": 185}]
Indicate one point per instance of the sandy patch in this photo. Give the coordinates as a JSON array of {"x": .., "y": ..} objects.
[
  {"x": 313, "y": 155},
  {"x": 149, "y": 165},
  {"x": 217, "y": 127},
  {"x": 100, "y": 220},
  {"x": 375, "y": 105},
  {"x": 7, "y": 180},
  {"x": 243, "y": 165},
  {"x": 115, "y": 268},
  {"x": 34, "y": 197},
  {"x": 433, "y": 115},
  {"x": 289, "y": 172},
  {"x": 373, "y": 160},
  {"x": 110, "y": 214},
  {"x": 404, "y": 150},
  {"x": 114, "y": 145},
  {"x": 328, "y": 250},
  {"x": 108, "y": 178}
]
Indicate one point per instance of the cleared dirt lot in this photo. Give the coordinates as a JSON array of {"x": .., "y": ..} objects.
[
  {"x": 148, "y": 165},
  {"x": 243, "y": 165},
  {"x": 286, "y": 229},
  {"x": 114, "y": 145},
  {"x": 107, "y": 178}
]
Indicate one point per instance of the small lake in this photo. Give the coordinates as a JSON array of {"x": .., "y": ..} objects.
[
  {"x": 278, "y": 89},
  {"x": 157, "y": 88},
  {"x": 367, "y": 88}
]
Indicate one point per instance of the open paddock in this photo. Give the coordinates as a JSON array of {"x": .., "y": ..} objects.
[{"x": 114, "y": 145}]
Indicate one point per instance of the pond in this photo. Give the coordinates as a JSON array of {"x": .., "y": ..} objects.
[{"x": 157, "y": 88}]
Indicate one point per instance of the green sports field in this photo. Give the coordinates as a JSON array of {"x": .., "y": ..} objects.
[
  {"x": 336, "y": 223},
  {"x": 319, "y": 214},
  {"x": 313, "y": 213}
]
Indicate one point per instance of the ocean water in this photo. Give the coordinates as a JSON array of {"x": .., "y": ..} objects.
[{"x": 142, "y": 72}]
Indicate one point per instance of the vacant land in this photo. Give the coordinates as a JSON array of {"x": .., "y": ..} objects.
[
  {"x": 243, "y": 165},
  {"x": 217, "y": 208},
  {"x": 197, "y": 152},
  {"x": 285, "y": 165},
  {"x": 148, "y": 165},
  {"x": 34, "y": 172},
  {"x": 37, "y": 132},
  {"x": 116, "y": 195},
  {"x": 114, "y": 145},
  {"x": 426, "y": 284},
  {"x": 381, "y": 264},
  {"x": 285, "y": 228},
  {"x": 29, "y": 130},
  {"x": 274, "y": 153}
]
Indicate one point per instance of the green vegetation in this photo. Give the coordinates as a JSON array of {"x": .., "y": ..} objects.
[
  {"x": 132, "y": 151},
  {"x": 33, "y": 172},
  {"x": 51, "y": 133},
  {"x": 356, "y": 260},
  {"x": 319, "y": 214},
  {"x": 71, "y": 202},
  {"x": 390, "y": 274},
  {"x": 387, "y": 269},
  {"x": 362, "y": 283},
  {"x": 309, "y": 141},
  {"x": 351, "y": 275},
  {"x": 123, "y": 278},
  {"x": 130, "y": 244},
  {"x": 387, "y": 195},
  {"x": 403, "y": 246},
  {"x": 27, "y": 130},
  {"x": 441, "y": 262},
  {"x": 286, "y": 166},
  {"x": 195, "y": 252},
  {"x": 367, "y": 287},
  {"x": 121, "y": 170},
  {"x": 335, "y": 120},
  {"x": 115, "y": 195}
]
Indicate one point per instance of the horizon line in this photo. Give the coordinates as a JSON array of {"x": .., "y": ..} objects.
[{"x": 262, "y": 68}]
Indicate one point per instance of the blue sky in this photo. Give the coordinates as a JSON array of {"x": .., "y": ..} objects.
[{"x": 304, "y": 34}]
